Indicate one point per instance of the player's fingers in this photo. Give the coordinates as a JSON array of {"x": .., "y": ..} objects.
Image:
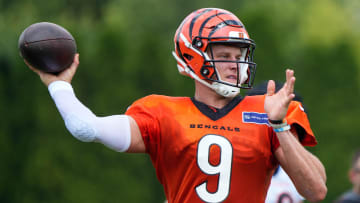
[
  {"x": 289, "y": 98},
  {"x": 270, "y": 88},
  {"x": 75, "y": 62},
  {"x": 31, "y": 68},
  {"x": 74, "y": 65},
  {"x": 290, "y": 81},
  {"x": 288, "y": 74},
  {"x": 292, "y": 84},
  {"x": 68, "y": 74},
  {"x": 34, "y": 70},
  {"x": 77, "y": 57}
]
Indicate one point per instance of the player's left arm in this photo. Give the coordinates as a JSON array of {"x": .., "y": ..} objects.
[{"x": 305, "y": 169}]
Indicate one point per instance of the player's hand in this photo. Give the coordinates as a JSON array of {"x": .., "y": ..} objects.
[
  {"x": 276, "y": 104},
  {"x": 66, "y": 75}
]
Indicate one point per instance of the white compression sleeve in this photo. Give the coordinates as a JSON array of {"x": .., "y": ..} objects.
[{"x": 112, "y": 131}]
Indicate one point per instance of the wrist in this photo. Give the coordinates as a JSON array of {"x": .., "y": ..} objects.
[
  {"x": 279, "y": 125},
  {"x": 277, "y": 121},
  {"x": 282, "y": 129},
  {"x": 58, "y": 85}
]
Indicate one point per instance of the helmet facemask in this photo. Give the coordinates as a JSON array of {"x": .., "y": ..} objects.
[{"x": 244, "y": 68}]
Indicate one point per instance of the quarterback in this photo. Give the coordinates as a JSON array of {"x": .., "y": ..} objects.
[{"x": 215, "y": 146}]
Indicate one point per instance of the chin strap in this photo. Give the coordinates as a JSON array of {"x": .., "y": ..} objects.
[{"x": 225, "y": 90}]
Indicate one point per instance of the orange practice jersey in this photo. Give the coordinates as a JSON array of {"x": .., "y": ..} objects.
[{"x": 206, "y": 155}]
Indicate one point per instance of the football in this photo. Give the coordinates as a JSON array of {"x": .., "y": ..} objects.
[{"x": 47, "y": 47}]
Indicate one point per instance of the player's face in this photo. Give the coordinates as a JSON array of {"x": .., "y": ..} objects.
[
  {"x": 228, "y": 71},
  {"x": 355, "y": 174}
]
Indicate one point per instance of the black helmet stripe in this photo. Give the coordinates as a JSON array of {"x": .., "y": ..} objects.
[
  {"x": 207, "y": 20},
  {"x": 223, "y": 24},
  {"x": 178, "y": 48},
  {"x": 191, "y": 26},
  {"x": 194, "y": 20},
  {"x": 177, "y": 39}
]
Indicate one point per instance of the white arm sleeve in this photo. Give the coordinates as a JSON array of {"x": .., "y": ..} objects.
[{"x": 112, "y": 131}]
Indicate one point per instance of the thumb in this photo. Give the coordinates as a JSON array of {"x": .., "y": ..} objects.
[
  {"x": 69, "y": 73},
  {"x": 270, "y": 88}
]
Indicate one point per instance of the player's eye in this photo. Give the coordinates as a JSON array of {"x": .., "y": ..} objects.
[{"x": 223, "y": 56}]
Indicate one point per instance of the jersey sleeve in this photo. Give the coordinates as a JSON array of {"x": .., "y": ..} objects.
[
  {"x": 297, "y": 118},
  {"x": 145, "y": 115}
]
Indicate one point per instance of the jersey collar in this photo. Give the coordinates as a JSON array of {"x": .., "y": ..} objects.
[{"x": 214, "y": 113}]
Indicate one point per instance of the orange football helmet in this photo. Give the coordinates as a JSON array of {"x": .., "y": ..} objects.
[{"x": 193, "y": 40}]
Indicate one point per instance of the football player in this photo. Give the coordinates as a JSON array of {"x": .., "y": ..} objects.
[
  {"x": 215, "y": 146},
  {"x": 353, "y": 194}
]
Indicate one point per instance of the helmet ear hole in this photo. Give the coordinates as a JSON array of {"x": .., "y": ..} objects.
[{"x": 188, "y": 57}]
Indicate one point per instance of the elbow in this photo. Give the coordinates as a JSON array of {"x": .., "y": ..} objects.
[
  {"x": 81, "y": 129},
  {"x": 318, "y": 194}
]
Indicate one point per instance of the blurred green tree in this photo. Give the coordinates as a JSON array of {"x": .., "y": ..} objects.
[{"x": 125, "y": 53}]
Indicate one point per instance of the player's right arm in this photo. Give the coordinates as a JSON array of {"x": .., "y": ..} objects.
[{"x": 118, "y": 132}]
